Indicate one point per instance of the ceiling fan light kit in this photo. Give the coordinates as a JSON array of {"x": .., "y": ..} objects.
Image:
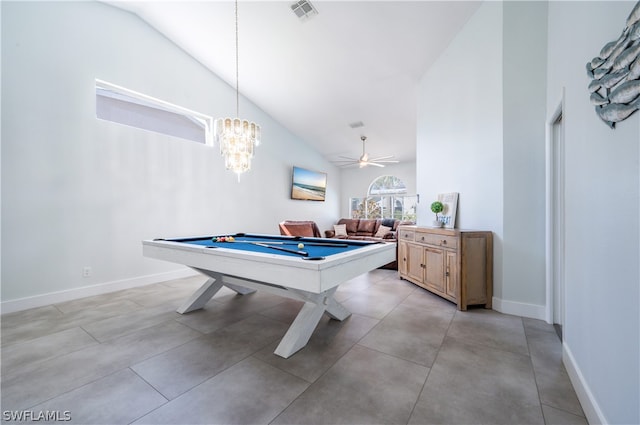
[{"x": 364, "y": 159}]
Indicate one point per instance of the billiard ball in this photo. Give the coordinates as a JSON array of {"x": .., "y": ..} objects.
[{"x": 300, "y": 245}]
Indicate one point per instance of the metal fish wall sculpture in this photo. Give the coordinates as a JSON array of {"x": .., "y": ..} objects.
[{"x": 615, "y": 74}]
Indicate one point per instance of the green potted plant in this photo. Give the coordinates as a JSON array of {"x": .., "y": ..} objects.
[{"x": 437, "y": 207}]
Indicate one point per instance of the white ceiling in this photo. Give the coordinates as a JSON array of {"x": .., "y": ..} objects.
[{"x": 353, "y": 61}]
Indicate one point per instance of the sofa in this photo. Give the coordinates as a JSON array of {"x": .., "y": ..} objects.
[
  {"x": 381, "y": 230},
  {"x": 365, "y": 229}
]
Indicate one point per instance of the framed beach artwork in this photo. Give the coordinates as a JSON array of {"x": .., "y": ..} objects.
[
  {"x": 448, "y": 214},
  {"x": 308, "y": 185}
]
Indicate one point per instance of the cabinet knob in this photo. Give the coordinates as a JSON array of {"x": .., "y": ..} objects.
[{"x": 444, "y": 242}]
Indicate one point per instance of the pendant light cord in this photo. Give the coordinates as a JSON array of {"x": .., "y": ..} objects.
[{"x": 237, "y": 74}]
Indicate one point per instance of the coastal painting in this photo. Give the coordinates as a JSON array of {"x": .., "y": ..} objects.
[{"x": 308, "y": 185}]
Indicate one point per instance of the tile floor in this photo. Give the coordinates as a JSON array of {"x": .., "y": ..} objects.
[{"x": 405, "y": 356}]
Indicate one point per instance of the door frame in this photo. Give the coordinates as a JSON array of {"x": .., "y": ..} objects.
[{"x": 553, "y": 157}]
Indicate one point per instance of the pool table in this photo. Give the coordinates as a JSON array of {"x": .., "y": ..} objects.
[{"x": 310, "y": 272}]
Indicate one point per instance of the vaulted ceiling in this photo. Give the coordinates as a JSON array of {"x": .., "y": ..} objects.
[{"x": 353, "y": 62}]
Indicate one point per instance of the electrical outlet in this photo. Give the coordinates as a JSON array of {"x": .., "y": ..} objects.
[{"x": 86, "y": 271}]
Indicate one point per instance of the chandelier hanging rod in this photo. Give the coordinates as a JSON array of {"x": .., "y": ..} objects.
[{"x": 237, "y": 67}]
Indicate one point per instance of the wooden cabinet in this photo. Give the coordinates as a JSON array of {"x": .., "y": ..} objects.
[{"x": 454, "y": 264}]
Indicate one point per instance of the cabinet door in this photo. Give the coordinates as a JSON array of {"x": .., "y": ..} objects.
[
  {"x": 415, "y": 262},
  {"x": 402, "y": 258},
  {"x": 451, "y": 274},
  {"x": 434, "y": 272}
]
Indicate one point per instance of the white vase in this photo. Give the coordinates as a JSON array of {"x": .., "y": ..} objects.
[{"x": 437, "y": 223}]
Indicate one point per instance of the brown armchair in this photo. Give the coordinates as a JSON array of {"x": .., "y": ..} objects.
[{"x": 299, "y": 228}]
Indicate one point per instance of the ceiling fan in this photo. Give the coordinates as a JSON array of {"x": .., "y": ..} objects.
[{"x": 364, "y": 160}]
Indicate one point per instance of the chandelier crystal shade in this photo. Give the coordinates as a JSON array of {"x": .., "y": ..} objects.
[{"x": 237, "y": 138}]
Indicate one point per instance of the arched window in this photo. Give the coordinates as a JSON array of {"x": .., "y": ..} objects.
[
  {"x": 386, "y": 198},
  {"x": 386, "y": 185}
]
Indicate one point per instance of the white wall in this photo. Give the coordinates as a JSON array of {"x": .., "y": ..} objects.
[
  {"x": 482, "y": 113},
  {"x": 459, "y": 145},
  {"x": 524, "y": 112},
  {"x": 602, "y": 323},
  {"x": 77, "y": 191},
  {"x": 0, "y": 152},
  {"x": 356, "y": 181},
  {"x": 481, "y": 133}
]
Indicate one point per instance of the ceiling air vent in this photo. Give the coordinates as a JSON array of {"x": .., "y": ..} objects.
[
  {"x": 356, "y": 124},
  {"x": 304, "y": 10}
]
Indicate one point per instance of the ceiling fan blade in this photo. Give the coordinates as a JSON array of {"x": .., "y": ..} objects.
[
  {"x": 365, "y": 161},
  {"x": 348, "y": 157}
]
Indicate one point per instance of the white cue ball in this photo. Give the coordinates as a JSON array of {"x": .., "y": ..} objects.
[{"x": 300, "y": 245}]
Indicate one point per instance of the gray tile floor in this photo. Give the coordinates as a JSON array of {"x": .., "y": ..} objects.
[{"x": 405, "y": 356}]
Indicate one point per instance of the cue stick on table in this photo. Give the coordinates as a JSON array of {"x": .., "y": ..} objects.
[
  {"x": 279, "y": 248},
  {"x": 327, "y": 244}
]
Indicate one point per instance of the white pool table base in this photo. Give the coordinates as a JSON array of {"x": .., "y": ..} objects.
[{"x": 315, "y": 305}]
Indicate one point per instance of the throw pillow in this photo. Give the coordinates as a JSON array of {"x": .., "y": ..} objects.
[
  {"x": 382, "y": 231},
  {"x": 340, "y": 229}
]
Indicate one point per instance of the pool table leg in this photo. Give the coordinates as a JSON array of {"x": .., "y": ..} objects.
[
  {"x": 239, "y": 289},
  {"x": 307, "y": 319},
  {"x": 202, "y": 296},
  {"x": 336, "y": 311}
]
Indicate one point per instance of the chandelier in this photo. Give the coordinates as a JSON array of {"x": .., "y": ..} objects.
[{"x": 237, "y": 138}]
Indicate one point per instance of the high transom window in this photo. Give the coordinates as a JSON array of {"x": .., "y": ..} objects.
[{"x": 124, "y": 106}]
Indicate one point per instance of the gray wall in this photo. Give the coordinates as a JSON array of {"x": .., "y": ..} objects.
[{"x": 78, "y": 191}]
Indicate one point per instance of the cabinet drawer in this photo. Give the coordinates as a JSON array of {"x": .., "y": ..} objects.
[
  {"x": 406, "y": 235},
  {"x": 437, "y": 240}
]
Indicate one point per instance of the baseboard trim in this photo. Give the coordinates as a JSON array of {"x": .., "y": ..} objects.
[
  {"x": 589, "y": 404},
  {"x": 533, "y": 311},
  {"x": 20, "y": 304}
]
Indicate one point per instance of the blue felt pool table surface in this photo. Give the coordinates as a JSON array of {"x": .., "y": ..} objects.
[{"x": 315, "y": 248}]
